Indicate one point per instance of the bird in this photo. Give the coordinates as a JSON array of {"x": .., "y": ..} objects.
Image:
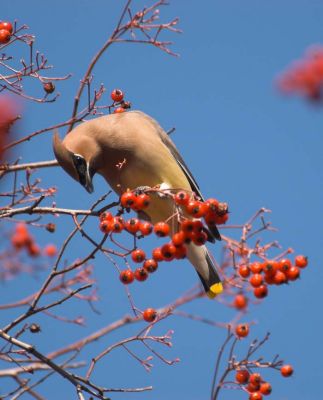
[{"x": 149, "y": 158}]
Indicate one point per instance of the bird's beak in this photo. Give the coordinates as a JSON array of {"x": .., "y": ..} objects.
[{"x": 88, "y": 181}]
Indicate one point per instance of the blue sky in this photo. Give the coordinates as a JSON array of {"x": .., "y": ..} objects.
[{"x": 245, "y": 143}]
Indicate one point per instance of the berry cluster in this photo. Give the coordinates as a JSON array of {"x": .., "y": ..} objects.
[
  {"x": 255, "y": 385},
  {"x": 262, "y": 274},
  {"x": 119, "y": 104},
  {"x": 22, "y": 239},
  {"x": 190, "y": 230},
  {"x": 6, "y": 31},
  {"x": 305, "y": 77}
]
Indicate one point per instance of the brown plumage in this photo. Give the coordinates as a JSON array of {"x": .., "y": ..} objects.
[{"x": 151, "y": 159}]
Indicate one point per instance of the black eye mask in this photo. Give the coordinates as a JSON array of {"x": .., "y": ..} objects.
[{"x": 80, "y": 166}]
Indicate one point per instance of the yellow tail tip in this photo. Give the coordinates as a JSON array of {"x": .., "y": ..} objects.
[{"x": 214, "y": 290}]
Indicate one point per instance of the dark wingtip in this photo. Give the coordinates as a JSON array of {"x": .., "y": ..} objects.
[{"x": 215, "y": 232}]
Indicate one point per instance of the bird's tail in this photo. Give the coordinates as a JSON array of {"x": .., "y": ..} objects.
[{"x": 205, "y": 268}]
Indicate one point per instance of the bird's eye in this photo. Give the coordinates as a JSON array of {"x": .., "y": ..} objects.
[{"x": 78, "y": 160}]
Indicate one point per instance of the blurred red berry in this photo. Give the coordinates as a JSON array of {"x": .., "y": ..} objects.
[
  {"x": 4, "y": 36},
  {"x": 293, "y": 273},
  {"x": 244, "y": 271},
  {"x": 199, "y": 238},
  {"x": 116, "y": 224},
  {"x": 240, "y": 301},
  {"x": 105, "y": 216},
  {"x": 150, "y": 265},
  {"x": 178, "y": 238},
  {"x": 265, "y": 388},
  {"x": 187, "y": 226},
  {"x": 132, "y": 225},
  {"x": 126, "y": 276},
  {"x": 286, "y": 370},
  {"x": 180, "y": 252},
  {"x": 142, "y": 202},
  {"x": 49, "y": 87},
  {"x": 284, "y": 264},
  {"x": 256, "y": 267},
  {"x": 301, "y": 261},
  {"x": 261, "y": 291},
  {"x": 128, "y": 199},
  {"x": 270, "y": 267},
  {"x": 157, "y": 254},
  {"x": 196, "y": 208},
  {"x": 146, "y": 228},
  {"x": 105, "y": 226},
  {"x": 255, "y": 378},
  {"x": 6, "y": 25},
  {"x": 182, "y": 198},
  {"x": 117, "y": 95},
  {"x": 141, "y": 274},
  {"x": 242, "y": 376},
  {"x": 149, "y": 314},
  {"x": 252, "y": 388},
  {"x": 256, "y": 280},
  {"x": 168, "y": 251},
  {"x": 33, "y": 249},
  {"x": 138, "y": 255},
  {"x": 50, "y": 250},
  {"x": 280, "y": 278},
  {"x": 161, "y": 229},
  {"x": 212, "y": 205},
  {"x": 255, "y": 396},
  {"x": 242, "y": 330}
]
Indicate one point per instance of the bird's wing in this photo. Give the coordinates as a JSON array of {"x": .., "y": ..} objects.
[{"x": 179, "y": 159}]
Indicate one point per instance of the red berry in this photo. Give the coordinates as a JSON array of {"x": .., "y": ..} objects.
[
  {"x": 142, "y": 202},
  {"x": 270, "y": 267},
  {"x": 168, "y": 251},
  {"x": 280, "y": 278},
  {"x": 252, "y": 388},
  {"x": 116, "y": 225},
  {"x": 128, "y": 199},
  {"x": 199, "y": 238},
  {"x": 242, "y": 330},
  {"x": 6, "y": 25},
  {"x": 255, "y": 396},
  {"x": 301, "y": 261},
  {"x": 119, "y": 110},
  {"x": 105, "y": 216},
  {"x": 242, "y": 376},
  {"x": 284, "y": 264},
  {"x": 50, "y": 250},
  {"x": 212, "y": 205},
  {"x": 261, "y": 291},
  {"x": 255, "y": 378},
  {"x": 256, "y": 267},
  {"x": 141, "y": 274},
  {"x": 132, "y": 225},
  {"x": 149, "y": 314},
  {"x": 126, "y": 276},
  {"x": 196, "y": 208},
  {"x": 286, "y": 370},
  {"x": 105, "y": 226},
  {"x": 150, "y": 265},
  {"x": 265, "y": 388},
  {"x": 49, "y": 87},
  {"x": 182, "y": 198},
  {"x": 244, "y": 271},
  {"x": 181, "y": 252},
  {"x": 146, "y": 228},
  {"x": 187, "y": 226},
  {"x": 240, "y": 302},
  {"x": 161, "y": 229},
  {"x": 178, "y": 238},
  {"x": 33, "y": 249},
  {"x": 293, "y": 273},
  {"x": 157, "y": 254},
  {"x": 117, "y": 95},
  {"x": 4, "y": 36},
  {"x": 138, "y": 255},
  {"x": 256, "y": 280}
]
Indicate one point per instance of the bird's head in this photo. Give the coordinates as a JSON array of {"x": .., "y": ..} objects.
[{"x": 76, "y": 154}]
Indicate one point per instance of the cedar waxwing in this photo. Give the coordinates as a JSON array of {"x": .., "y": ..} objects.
[{"x": 150, "y": 159}]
